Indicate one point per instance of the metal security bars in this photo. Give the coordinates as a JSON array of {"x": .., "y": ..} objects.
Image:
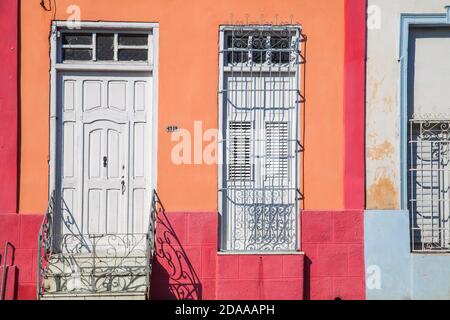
[
  {"x": 259, "y": 99},
  {"x": 429, "y": 184}
]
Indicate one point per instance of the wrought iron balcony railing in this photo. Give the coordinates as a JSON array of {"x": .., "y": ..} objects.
[{"x": 76, "y": 263}]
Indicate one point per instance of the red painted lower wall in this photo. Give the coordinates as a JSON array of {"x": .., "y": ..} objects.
[
  {"x": 188, "y": 265},
  {"x": 22, "y": 232},
  {"x": 11, "y": 280},
  {"x": 333, "y": 243},
  {"x": 332, "y": 266}
]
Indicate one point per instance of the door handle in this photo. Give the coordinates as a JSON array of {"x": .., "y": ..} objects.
[{"x": 123, "y": 187}]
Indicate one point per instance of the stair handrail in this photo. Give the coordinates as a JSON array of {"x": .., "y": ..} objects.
[
  {"x": 5, "y": 268},
  {"x": 156, "y": 207},
  {"x": 45, "y": 244}
]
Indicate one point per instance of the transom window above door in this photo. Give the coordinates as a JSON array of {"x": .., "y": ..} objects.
[{"x": 105, "y": 46}]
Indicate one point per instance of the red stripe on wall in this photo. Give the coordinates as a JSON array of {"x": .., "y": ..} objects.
[
  {"x": 8, "y": 105},
  {"x": 354, "y": 91}
]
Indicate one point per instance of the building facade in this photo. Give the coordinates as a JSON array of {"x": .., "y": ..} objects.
[
  {"x": 407, "y": 138},
  {"x": 224, "y": 150}
]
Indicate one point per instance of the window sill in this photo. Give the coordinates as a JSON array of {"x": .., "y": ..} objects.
[
  {"x": 104, "y": 66},
  {"x": 431, "y": 253},
  {"x": 259, "y": 253}
]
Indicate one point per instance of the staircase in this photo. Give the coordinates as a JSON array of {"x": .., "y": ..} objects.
[{"x": 95, "y": 266}]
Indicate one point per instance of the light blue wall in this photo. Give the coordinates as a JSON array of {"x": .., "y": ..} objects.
[
  {"x": 392, "y": 271},
  {"x": 431, "y": 276}
]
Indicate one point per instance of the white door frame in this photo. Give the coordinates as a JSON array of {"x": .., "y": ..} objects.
[{"x": 56, "y": 67}]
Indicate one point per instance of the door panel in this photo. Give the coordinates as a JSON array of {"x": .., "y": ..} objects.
[
  {"x": 107, "y": 158},
  {"x": 92, "y": 95}
]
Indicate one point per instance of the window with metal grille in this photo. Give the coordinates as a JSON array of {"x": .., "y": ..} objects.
[
  {"x": 259, "y": 118},
  {"x": 105, "y": 46},
  {"x": 428, "y": 157},
  {"x": 429, "y": 183},
  {"x": 261, "y": 46}
]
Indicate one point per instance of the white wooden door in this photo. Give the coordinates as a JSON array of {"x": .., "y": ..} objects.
[{"x": 104, "y": 153}]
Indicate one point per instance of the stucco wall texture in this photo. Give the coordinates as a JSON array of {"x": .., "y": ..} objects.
[
  {"x": 8, "y": 105},
  {"x": 188, "y": 90},
  {"x": 383, "y": 98},
  {"x": 399, "y": 274}
]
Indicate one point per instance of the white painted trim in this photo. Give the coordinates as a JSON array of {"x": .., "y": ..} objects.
[
  {"x": 260, "y": 253},
  {"x": 223, "y": 228},
  {"x": 108, "y": 25},
  {"x": 94, "y": 66},
  {"x": 154, "y": 120},
  {"x": 53, "y": 111}
]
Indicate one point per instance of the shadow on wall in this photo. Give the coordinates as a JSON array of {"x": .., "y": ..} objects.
[
  {"x": 9, "y": 275},
  {"x": 307, "y": 282},
  {"x": 173, "y": 276}
]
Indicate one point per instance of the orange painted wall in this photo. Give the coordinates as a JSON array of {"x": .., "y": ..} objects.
[{"x": 188, "y": 84}]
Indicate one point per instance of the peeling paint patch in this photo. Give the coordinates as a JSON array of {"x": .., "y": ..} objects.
[
  {"x": 381, "y": 151},
  {"x": 375, "y": 86},
  {"x": 388, "y": 104},
  {"x": 383, "y": 195}
]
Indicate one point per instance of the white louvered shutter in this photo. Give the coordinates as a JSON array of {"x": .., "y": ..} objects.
[
  {"x": 239, "y": 157},
  {"x": 277, "y": 140}
]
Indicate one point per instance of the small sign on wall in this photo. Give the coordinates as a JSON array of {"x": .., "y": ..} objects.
[{"x": 172, "y": 128}]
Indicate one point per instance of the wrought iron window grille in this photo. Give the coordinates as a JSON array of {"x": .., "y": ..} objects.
[
  {"x": 429, "y": 183},
  {"x": 259, "y": 99}
]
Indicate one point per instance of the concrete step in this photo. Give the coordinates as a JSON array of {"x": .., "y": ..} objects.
[{"x": 78, "y": 275}]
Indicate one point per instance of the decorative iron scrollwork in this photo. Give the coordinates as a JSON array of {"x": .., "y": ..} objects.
[
  {"x": 183, "y": 281},
  {"x": 75, "y": 263}
]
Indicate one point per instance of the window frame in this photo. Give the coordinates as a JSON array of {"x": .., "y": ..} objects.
[
  {"x": 224, "y": 69},
  {"x": 408, "y": 21},
  {"x": 60, "y": 27}
]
